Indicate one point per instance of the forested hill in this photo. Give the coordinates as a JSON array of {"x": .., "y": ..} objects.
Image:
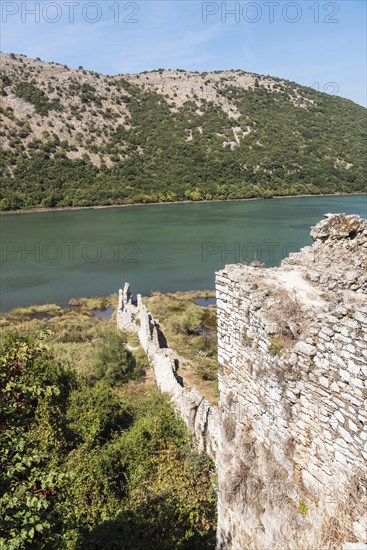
[{"x": 78, "y": 138}]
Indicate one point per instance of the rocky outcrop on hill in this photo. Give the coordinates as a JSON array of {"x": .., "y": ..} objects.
[{"x": 73, "y": 137}]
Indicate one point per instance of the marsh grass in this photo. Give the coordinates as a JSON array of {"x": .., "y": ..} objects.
[
  {"x": 74, "y": 332},
  {"x": 49, "y": 309}
]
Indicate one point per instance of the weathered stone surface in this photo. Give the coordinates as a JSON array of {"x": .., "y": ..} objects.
[
  {"x": 292, "y": 366},
  {"x": 200, "y": 417},
  {"x": 316, "y": 434},
  {"x": 338, "y": 226},
  {"x": 305, "y": 349}
]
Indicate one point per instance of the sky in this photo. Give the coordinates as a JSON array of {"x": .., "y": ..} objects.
[{"x": 321, "y": 44}]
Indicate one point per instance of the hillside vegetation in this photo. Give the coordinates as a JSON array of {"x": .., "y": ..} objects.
[{"x": 78, "y": 138}]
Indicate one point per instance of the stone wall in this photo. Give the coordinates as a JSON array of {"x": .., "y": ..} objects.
[
  {"x": 292, "y": 412},
  {"x": 199, "y": 416},
  {"x": 289, "y": 435}
]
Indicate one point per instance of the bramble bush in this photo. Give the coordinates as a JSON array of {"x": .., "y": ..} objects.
[
  {"x": 31, "y": 389},
  {"x": 89, "y": 465}
]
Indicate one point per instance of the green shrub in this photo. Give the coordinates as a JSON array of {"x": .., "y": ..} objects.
[
  {"x": 97, "y": 490},
  {"x": 87, "y": 467},
  {"x": 38, "y": 98},
  {"x": 276, "y": 346},
  {"x": 115, "y": 363},
  {"x": 208, "y": 371},
  {"x": 189, "y": 322},
  {"x": 32, "y": 437},
  {"x": 169, "y": 482},
  {"x": 303, "y": 507},
  {"x": 294, "y": 150},
  {"x": 103, "y": 414}
]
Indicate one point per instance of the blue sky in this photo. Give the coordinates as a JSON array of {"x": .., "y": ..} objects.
[{"x": 316, "y": 43}]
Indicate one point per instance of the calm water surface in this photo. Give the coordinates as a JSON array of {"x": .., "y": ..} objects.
[{"x": 54, "y": 256}]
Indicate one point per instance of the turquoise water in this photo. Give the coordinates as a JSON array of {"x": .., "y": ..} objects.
[{"x": 54, "y": 256}]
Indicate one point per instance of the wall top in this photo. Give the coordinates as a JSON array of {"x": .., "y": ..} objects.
[
  {"x": 340, "y": 226},
  {"x": 333, "y": 269}
]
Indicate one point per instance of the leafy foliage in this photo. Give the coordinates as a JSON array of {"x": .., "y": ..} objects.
[
  {"x": 276, "y": 346},
  {"x": 30, "y": 92},
  {"x": 32, "y": 433},
  {"x": 86, "y": 466},
  {"x": 103, "y": 414},
  {"x": 115, "y": 363},
  {"x": 188, "y": 322}
]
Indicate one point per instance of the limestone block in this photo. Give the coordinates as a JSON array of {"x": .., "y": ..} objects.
[
  {"x": 345, "y": 434},
  {"x": 334, "y": 387},
  {"x": 353, "y": 367},
  {"x": 360, "y": 317},
  {"x": 340, "y": 418},
  {"x": 305, "y": 349},
  {"x": 324, "y": 381},
  {"x": 340, "y": 457},
  {"x": 352, "y": 426},
  {"x": 357, "y": 382},
  {"x": 345, "y": 375}
]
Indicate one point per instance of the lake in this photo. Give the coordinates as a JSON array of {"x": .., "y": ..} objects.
[{"x": 50, "y": 257}]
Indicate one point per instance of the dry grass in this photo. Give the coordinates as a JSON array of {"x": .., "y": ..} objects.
[
  {"x": 229, "y": 427},
  {"x": 75, "y": 335},
  {"x": 74, "y": 331},
  {"x": 286, "y": 315},
  {"x": 258, "y": 483},
  {"x": 349, "y": 506},
  {"x": 245, "y": 484}
]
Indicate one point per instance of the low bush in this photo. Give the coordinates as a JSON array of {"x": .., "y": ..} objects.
[
  {"x": 103, "y": 414},
  {"x": 189, "y": 322},
  {"x": 87, "y": 466},
  {"x": 115, "y": 363},
  {"x": 276, "y": 346},
  {"x": 36, "y": 96}
]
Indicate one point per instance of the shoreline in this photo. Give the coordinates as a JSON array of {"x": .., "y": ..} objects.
[
  {"x": 111, "y": 299},
  {"x": 133, "y": 204}
]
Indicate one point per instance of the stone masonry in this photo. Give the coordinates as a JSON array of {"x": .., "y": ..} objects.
[
  {"x": 289, "y": 436},
  {"x": 199, "y": 416},
  {"x": 292, "y": 382}
]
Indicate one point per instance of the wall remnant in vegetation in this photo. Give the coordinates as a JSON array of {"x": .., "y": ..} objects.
[
  {"x": 289, "y": 435},
  {"x": 200, "y": 417}
]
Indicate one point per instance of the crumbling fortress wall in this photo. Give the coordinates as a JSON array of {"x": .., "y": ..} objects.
[
  {"x": 292, "y": 355},
  {"x": 200, "y": 417},
  {"x": 289, "y": 435}
]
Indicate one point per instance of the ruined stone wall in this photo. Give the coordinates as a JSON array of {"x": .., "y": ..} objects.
[
  {"x": 289, "y": 435},
  {"x": 199, "y": 416},
  {"x": 292, "y": 412}
]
